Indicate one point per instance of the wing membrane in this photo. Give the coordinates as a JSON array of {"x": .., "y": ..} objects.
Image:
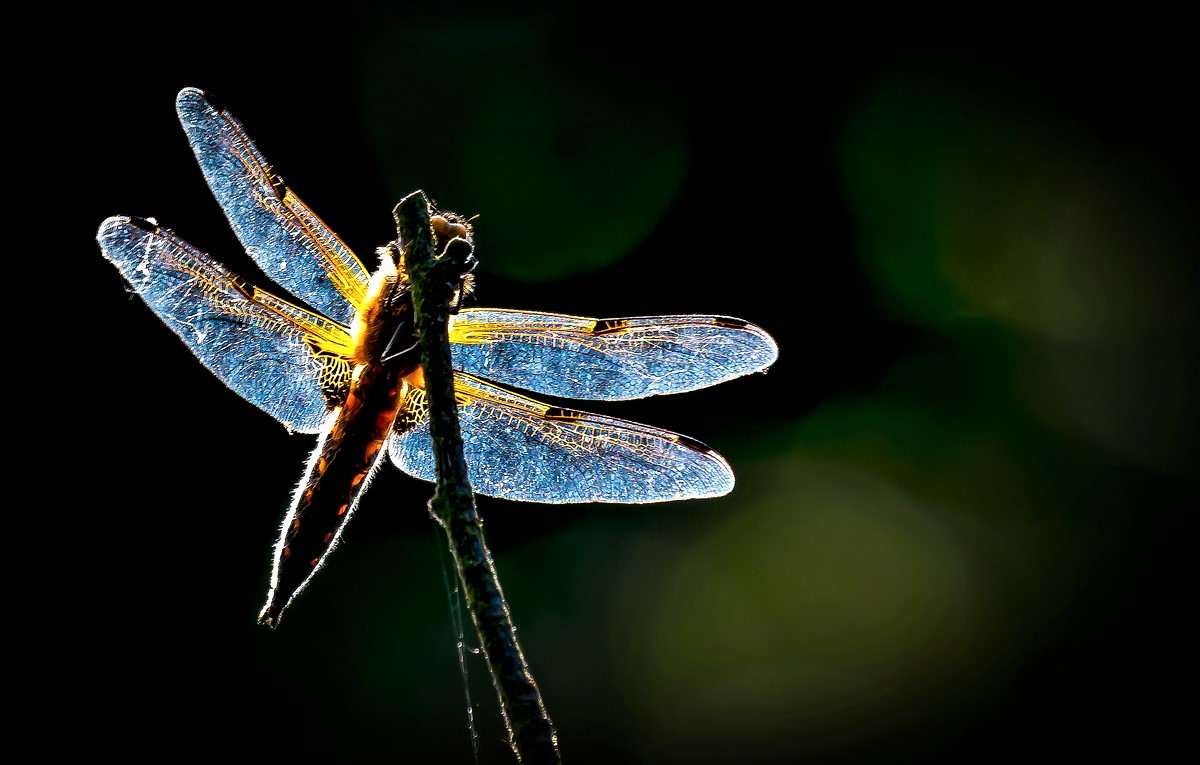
[
  {"x": 607, "y": 359},
  {"x": 274, "y": 354},
  {"x": 518, "y": 448},
  {"x": 286, "y": 239}
]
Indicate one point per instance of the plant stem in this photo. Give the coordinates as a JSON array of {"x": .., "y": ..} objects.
[{"x": 434, "y": 278}]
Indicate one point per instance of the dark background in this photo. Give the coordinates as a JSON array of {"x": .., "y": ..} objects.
[{"x": 965, "y": 491}]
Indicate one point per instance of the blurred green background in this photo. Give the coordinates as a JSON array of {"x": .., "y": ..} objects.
[{"x": 965, "y": 491}]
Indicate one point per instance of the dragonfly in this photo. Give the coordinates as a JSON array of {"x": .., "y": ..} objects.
[{"x": 331, "y": 352}]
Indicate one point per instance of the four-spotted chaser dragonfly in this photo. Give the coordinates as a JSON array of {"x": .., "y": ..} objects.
[{"x": 337, "y": 359}]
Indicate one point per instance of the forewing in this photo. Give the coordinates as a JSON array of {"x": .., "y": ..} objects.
[
  {"x": 521, "y": 449},
  {"x": 285, "y": 238},
  {"x": 276, "y": 355},
  {"x": 606, "y": 359}
]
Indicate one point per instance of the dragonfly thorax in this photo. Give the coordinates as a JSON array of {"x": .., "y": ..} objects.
[{"x": 387, "y": 304}]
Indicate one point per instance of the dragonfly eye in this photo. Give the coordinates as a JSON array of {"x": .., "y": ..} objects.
[{"x": 447, "y": 228}]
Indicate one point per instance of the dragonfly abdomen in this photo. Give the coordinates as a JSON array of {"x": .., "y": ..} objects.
[{"x": 337, "y": 475}]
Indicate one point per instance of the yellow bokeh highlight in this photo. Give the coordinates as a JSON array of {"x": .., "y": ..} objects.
[{"x": 831, "y": 608}]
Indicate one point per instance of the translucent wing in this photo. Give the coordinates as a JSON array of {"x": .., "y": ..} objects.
[
  {"x": 286, "y": 239},
  {"x": 521, "y": 449},
  {"x": 276, "y": 355},
  {"x": 606, "y": 359}
]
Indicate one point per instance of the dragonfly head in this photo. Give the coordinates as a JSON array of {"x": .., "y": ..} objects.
[{"x": 454, "y": 243}]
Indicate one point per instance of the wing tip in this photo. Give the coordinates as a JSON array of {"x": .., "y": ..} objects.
[
  {"x": 718, "y": 480},
  {"x": 190, "y": 94},
  {"x": 765, "y": 351},
  {"x": 112, "y": 226},
  {"x": 192, "y": 101}
]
